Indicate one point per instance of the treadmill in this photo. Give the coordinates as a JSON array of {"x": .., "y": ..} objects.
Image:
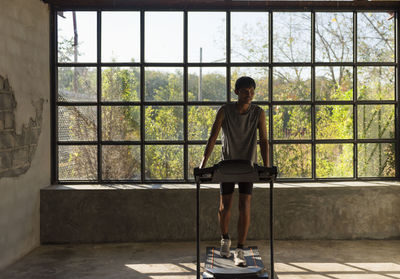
[{"x": 216, "y": 266}]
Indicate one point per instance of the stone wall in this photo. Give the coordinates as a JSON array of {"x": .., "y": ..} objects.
[
  {"x": 24, "y": 123},
  {"x": 93, "y": 214}
]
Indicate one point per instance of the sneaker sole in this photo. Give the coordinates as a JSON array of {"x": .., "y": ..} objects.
[
  {"x": 225, "y": 255},
  {"x": 241, "y": 264}
]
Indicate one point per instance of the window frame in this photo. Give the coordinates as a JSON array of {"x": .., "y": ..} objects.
[{"x": 54, "y": 64}]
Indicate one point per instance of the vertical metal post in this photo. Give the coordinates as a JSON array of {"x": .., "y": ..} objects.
[
  {"x": 54, "y": 93},
  {"x": 99, "y": 100},
  {"x": 313, "y": 107},
  {"x": 185, "y": 98},
  {"x": 355, "y": 104},
  {"x": 198, "y": 227},
  {"x": 142, "y": 98},
  {"x": 199, "y": 97},
  {"x": 397, "y": 94},
  {"x": 271, "y": 226}
]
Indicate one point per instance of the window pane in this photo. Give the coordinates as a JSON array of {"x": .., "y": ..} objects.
[
  {"x": 333, "y": 83},
  {"x": 77, "y": 162},
  {"x": 375, "y": 121},
  {"x": 334, "y": 122},
  {"x": 120, "y": 84},
  {"x": 293, "y": 160},
  {"x": 260, "y": 76},
  {"x": 291, "y": 84},
  {"x": 120, "y": 35},
  {"x": 120, "y": 123},
  {"x": 196, "y": 155},
  {"x": 164, "y": 36},
  {"x": 206, "y": 35},
  {"x": 292, "y": 122},
  {"x": 375, "y": 38},
  {"x": 207, "y": 84},
  {"x": 249, "y": 37},
  {"x": 200, "y": 121},
  {"x": 164, "y": 162},
  {"x": 292, "y": 37},
  {"x": 334, "y": 160},
  {"x": 77, "y": 84},
  {"x": 376, "y": 159},
  {"x": 79, "y": 46},
  {"x": 334, "y": 37},
  {"x": 121, "y": 162},
  {"x": 375, "y": 83},
  {"x": 164, "y": 84},
  {"x": 164, "y": 123},
  {"x": 77, "y": 123}
]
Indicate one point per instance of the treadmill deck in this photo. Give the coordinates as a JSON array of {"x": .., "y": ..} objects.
[{"x": 220, "y": 267}]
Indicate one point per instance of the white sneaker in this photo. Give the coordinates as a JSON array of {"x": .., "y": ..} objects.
[
  {"x": 239, "y": 258},
  {"x": 225, "y": 250}
]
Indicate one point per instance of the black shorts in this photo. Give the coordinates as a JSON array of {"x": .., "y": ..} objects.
[{"x": 227, "y": 188}]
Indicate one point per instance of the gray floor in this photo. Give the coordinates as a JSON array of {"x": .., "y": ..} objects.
[{"x": 294, "y": 259}]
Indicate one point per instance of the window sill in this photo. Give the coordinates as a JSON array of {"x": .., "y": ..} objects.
[{"x": 152, "y": 186}]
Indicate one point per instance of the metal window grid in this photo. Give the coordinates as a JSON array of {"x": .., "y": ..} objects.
[{"x": 54, "y": 64}]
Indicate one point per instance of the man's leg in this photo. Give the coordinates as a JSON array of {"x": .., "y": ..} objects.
[
  {"x": 224, "y": 212},
  {"x": 244, "y": 217}
]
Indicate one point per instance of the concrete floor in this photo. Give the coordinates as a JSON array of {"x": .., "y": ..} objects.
[{"x": 294, "y": 259}]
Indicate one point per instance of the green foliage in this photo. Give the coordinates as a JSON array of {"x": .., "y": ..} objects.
[{"x": 290, "y": 122}]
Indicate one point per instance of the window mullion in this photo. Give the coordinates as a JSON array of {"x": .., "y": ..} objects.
[
  {"x": 355, "y": 111},
  {"x": 142, "y": 108},
  {"x": 99, "y": 108}
]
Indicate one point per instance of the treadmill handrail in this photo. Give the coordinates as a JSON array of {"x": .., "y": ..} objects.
[{"x": 259, "y": 173}]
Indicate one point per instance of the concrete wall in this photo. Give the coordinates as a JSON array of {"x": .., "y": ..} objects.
[
  {"x": 24, "y": 123},
  {"x": 88, "y": 214}
]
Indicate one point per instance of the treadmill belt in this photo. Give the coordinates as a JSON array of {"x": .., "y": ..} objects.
[{"x": 220, "y": 267}]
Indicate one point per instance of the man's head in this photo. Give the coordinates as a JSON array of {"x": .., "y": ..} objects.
[
  {"x": 245, "y": 82},
  {"x": 244, "y": 88}
]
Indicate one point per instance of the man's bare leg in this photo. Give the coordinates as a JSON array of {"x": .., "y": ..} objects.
[
  {"x": 244, "y": 217},
  {"x": 224, "y": 212}
]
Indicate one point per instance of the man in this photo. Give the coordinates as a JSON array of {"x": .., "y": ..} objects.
[{"x": 239, "y": 122}]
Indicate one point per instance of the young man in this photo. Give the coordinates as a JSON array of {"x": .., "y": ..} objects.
[{"x": 239, "y": 122}]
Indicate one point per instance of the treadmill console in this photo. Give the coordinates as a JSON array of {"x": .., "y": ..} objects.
[{"x": 235, "y": 171}]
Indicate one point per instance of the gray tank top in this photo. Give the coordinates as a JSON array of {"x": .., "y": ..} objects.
[{"x": 239, "y": 133}]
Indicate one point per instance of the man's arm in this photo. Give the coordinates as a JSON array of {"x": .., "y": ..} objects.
[
  {"x": 213, "y": 136},
  {"x": 264, "y": 145}
]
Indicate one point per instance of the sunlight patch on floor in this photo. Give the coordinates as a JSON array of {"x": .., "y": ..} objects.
[
  {"x": 165, "y": 270},
  {"x": 311, "y": 270}
]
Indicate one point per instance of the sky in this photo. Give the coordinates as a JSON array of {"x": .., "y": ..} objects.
[{"x": 206, "y": 30}]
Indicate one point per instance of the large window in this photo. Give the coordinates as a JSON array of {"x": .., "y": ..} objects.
[{"x": 138, "y": 91}]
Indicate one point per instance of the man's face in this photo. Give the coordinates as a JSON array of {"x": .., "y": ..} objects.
[{"x": 245, "y": 95}]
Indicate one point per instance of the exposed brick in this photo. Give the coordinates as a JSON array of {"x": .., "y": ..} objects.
[
  {"x": 16, "y": 150},
  {"x": 23, "y": 138},
  {"x": 34, "y": 136},
  {"x": 8, "y": 120},
  {"x": 7, "y": 101},
  {"x": 5, "y": 160},
  {"x": 7, "y": 139},
  {"x": 20, "y": 157},
  {"x": 1, "y": 121},
  {"x": 6, "y": 84}
]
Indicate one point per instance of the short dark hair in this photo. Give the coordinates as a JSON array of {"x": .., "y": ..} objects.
[{"x": 245, "y": 82}]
